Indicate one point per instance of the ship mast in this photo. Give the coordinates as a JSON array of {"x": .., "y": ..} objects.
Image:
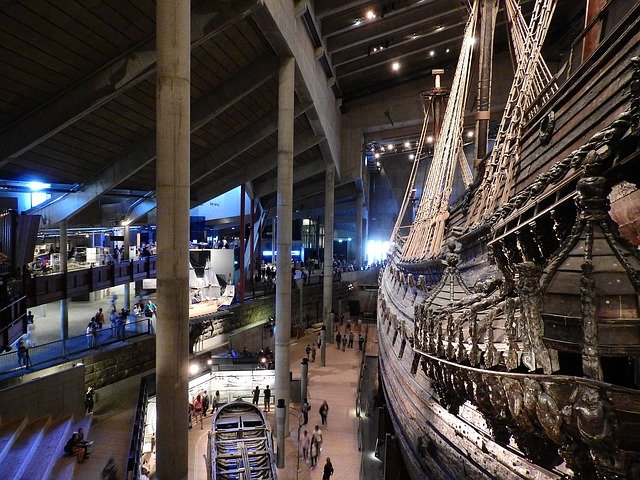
[{"x": 488, "y": 14}]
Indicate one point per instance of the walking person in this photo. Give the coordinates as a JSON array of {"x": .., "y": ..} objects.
[
  {"x": 197, "y": 410},
  {"x": 313, "y": 352},
  {"x": 88, "y": 400},
  {"x": 267, "y": 398},
  {"x": 351, "y": 339},
  {"x": 319, "y": 340},
  {"x": 308, "y": 351},
  {"x": 215, "y": 401},
  {"x": 91, "y": 334},
  {"x": 317, "y": 437},
  {"x": 328, "y": 470},
  {"x": 360, "y": 342},
  {"x": 305, "y": 444},
  {"x": 205, "y": 403},
  {"x": 338, "y": 339},
  {"x": 256, "y": 395},
  {"x": 23, "y": 354},
  {"x": 324, "y": 411},
  {"x": 313, "y": 453},
  {"x": 344, "y": 342},
  {"x": 305, "y": 411}
]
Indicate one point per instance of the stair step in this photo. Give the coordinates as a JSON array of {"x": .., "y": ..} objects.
[
  {"x": 65, "y": 465},
  {"x": 24, "y": 446},
  {"x": 8, "y": 433},
  {"x": 53, "y": 441}
]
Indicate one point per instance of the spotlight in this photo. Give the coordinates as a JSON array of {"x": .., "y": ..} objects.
[
  {"x": 357, "y": 22},
  {"x": 395, "y": 66},
  {"x": 194, "y": 368},
  {"x": 370, "y": 15},
  {"x": 390, "y": 147},
  {"x": 209, "y": 362},
  {"x": 432, "y": 53},
  {"x": 407, "y": 144},
  {"x": 412, "y": 156},
  {"x": 448, "y": 50},
  {"x": 429, "y": 139},
  {"x": 470, "y": 134},
  {"x": 377, "y": 155}
]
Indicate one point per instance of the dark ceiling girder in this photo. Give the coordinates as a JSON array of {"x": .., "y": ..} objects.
[
  {"x": 326, "y": 8},
  {"x": 111, "y": 80},
  {"x": 250, "y": 170},
  {"x": 300, "y": 174},
  {"x": 383, "y": 59},
  {"x": 405, "y": 22},
  {"x": 143, "y": 153},
  {"x": 240, "y": 143}
]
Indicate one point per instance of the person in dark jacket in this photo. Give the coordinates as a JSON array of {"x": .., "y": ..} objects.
[{"x": 328, "y": 470}]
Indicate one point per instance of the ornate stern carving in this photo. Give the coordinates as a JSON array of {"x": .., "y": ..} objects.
[
  {"x": 474, "y": 353},
  {"x": 536, "y": 355}
]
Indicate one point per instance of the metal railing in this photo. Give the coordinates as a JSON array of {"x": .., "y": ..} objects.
[
  {"x": 147, "y": 390},
  {"x": 359, "y": 400},
  {"x": 52, "y": 353}
]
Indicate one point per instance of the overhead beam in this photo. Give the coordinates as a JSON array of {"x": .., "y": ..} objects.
[
  {"x": 344, "y": 194},
  {"x": 400, "y": 26},
  {"x": 250, "y": 170},
  {"x": 111, "y": 80},
  {"x": 299, "y": 174},
  {"x": 326, "y": 8},
  {"x": 205, "y": 109},
  {"x": 311, "y": 189},
  {"x": 281, "y": 27},
  {"x": 240, "y": 143}
]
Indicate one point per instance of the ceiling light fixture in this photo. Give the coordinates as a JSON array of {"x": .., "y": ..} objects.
[
  {"x": 370, "y": 15},
  {"x": 470, "y": 134},
  {"x": 432, "y": 53},
  {"x": 429, "y": 139},
  {"x": 412, "y": 156},
  {"x": 407, "y": 144},
  {"x": 395, "y": 66},
  {"x": 390, "y": 147},
  {"x": 357, "y": 22},
  {"x": 448, "y": 50},
  {"x": 377, "y": 155}
]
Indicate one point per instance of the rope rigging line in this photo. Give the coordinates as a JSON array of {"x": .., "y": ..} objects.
[
  {"x": 427, "y": 231},
  {"x": 531, "y": 77},
  {"x": 414, "y": 170}
]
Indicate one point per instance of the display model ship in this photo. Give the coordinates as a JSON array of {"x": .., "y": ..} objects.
[
  {"x": 509, "y": 322},
  {"x": 240, "y": 445}
]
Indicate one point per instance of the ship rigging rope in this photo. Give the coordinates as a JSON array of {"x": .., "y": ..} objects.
[
  {"x": 427, "y": 231},
  {"x": 531, "y": 77},
  {"x": 414, "y": 169}
]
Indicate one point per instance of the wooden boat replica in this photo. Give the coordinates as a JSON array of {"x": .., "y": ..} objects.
[
  {"x": 516, "y": 352},
  {"x": 240, "y": 445}
]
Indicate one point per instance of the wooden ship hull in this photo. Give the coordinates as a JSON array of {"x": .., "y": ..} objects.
[
  {"x": 240, "y": 444},
  {"x": 523, "y": 360}
]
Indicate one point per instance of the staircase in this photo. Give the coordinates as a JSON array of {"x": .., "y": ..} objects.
[{"x": 35, "y": 448}]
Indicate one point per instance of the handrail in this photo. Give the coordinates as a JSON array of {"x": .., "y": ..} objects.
[
  {"x": 59, "y": 351},
  {"x": 147, "y": 389},
  {"x": 359, "y": 398}
]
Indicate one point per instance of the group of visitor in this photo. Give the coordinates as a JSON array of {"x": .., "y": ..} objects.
[{"x": 199, "y": 407}]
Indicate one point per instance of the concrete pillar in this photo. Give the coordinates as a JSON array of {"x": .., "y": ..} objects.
[
  {"x": 173, "y": 122},
  {"x": 304, "y": 377},
  {"x": 327, "y": 298},
  {"x": 284, "y": 202},
  {"x": 359, "y": 249},
  {"x": 252, "y": 245},
  {"x": 281, "y": 415},
  {"x": 323, "y": 346},
  {"x": 64, "y": 303},
  {"x": 243, "y": 226},
  {"x": 125, "y": 256}
]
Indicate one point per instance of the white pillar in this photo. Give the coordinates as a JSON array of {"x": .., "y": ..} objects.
[
  {"x": 173, "y": 120},
  {"x": 286, "y": 94},
  {"x": 64, "y": 304},
  {"x": 327, "y": 298},
  {"x": 359, "y": 249}
]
